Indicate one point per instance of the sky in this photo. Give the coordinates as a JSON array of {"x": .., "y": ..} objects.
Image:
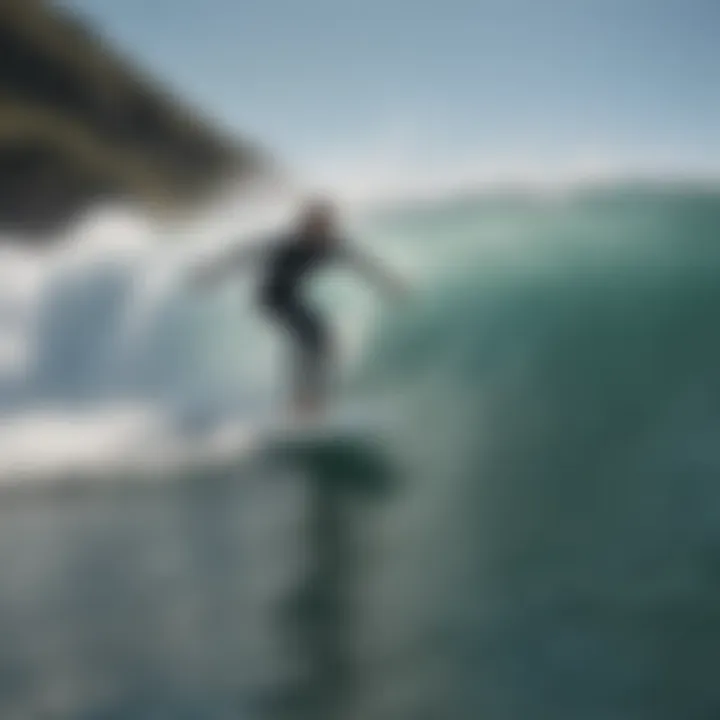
[{"x": 444, "y": 86}]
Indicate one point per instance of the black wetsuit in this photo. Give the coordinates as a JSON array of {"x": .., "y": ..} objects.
[{"x": 288, "y": 265}]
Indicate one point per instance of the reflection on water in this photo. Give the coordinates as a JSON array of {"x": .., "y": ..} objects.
[{"x": 224, "y": 594}]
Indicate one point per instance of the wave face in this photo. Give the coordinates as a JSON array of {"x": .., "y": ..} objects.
[
  {"x": 565, "y": 406},
  {"x": 551, "y": 401}
]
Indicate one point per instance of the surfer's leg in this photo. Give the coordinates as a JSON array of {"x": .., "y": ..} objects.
[
  {"x": 311, "y": 386},
  {"x": 310, "y": 358}
]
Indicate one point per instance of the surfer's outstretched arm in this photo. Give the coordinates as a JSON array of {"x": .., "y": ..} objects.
[{"x": 210, "y": 272}]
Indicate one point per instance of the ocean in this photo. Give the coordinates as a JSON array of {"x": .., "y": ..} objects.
[{"x": 528, "y": 525}]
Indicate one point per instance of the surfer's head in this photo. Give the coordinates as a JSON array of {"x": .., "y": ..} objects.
[{"x": 319, "y": 219}]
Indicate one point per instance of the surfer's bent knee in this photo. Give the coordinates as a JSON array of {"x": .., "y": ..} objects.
[{"x": 304, "y": 326}]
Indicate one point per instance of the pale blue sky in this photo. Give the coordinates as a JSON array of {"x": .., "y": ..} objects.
[{"x": 636, "y": 81}]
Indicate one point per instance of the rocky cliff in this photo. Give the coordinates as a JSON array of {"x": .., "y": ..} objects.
[{"x": 78, "y": 124}]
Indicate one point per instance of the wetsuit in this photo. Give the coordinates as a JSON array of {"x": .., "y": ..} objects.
[{"x": 287, "y": 266}]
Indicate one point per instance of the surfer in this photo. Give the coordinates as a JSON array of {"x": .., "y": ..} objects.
[{"x": 286, "y": 263}]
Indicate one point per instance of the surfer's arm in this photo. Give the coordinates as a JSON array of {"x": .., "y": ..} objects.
[{"x": 217, "y": 269}]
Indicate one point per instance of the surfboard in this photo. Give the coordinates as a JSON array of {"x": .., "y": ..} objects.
[{"x": 349, "y": 453}]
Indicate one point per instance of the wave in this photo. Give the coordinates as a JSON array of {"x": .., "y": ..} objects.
[
  {"x": 550, "y": 399},
  {"x": 563, "y": 411}
]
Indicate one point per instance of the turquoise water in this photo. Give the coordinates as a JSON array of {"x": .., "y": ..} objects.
[
  {"x": 552, "y": 545},
  {"x": 564, "y": 404}
]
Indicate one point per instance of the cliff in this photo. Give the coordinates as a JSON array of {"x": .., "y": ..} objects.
[{"x": 78, "y": 124}]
